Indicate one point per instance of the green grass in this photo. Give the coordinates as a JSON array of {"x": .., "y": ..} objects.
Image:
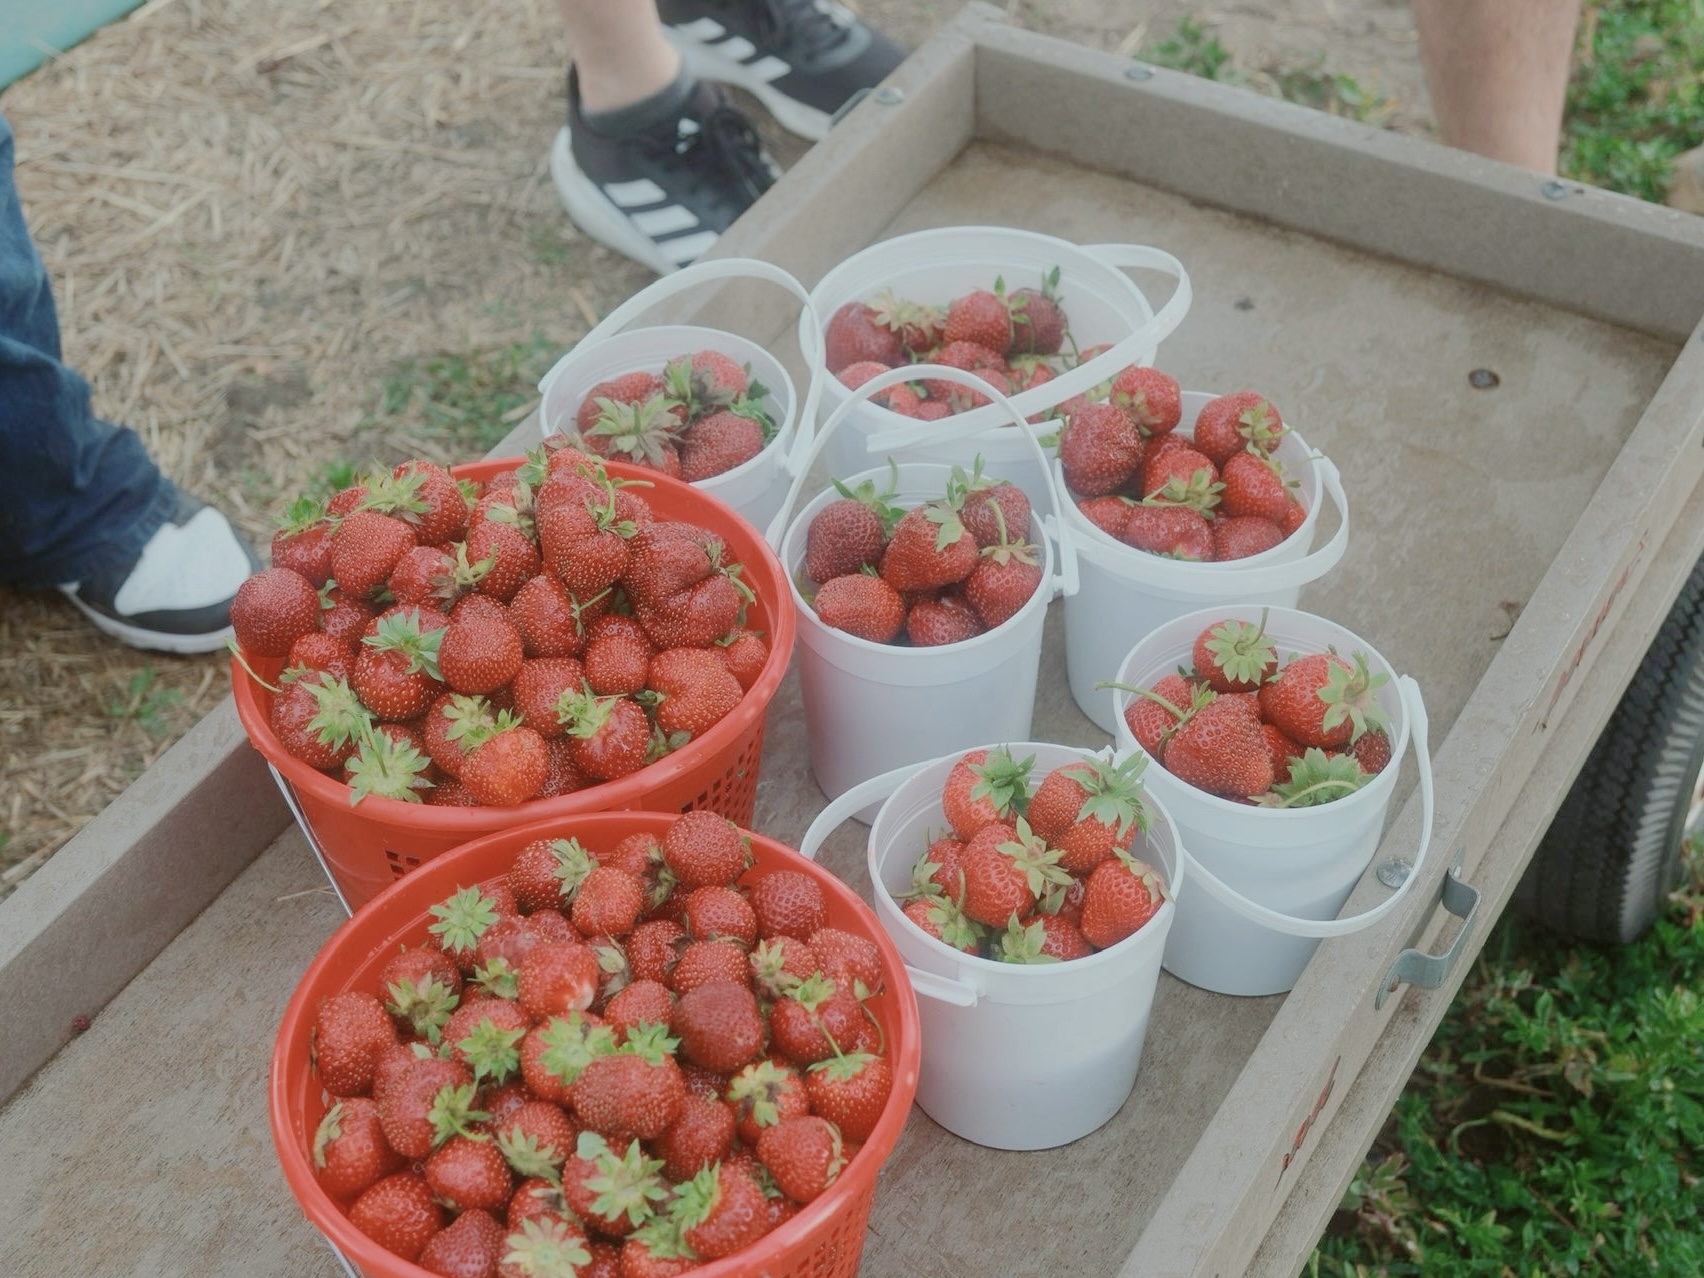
[
  {"x": 147, "y": 702},
  {"x": 466, "y": 401}
]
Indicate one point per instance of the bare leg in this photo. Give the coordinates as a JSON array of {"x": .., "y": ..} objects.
[
  {"x": 1497, "y": 71},
  {"x": 619, "y": 50}
]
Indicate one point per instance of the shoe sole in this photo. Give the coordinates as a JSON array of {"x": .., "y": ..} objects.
[
  {"x": 154, "y": 640},
  {"x": 791, "y": 114},
  {"x": 591, "y": 211}
]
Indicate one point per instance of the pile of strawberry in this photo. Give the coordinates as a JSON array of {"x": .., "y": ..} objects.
[
  {"x": 701, "y": 416},
  {"x": 939, "y": 572},
  {"x": 1215, "y": 494},
  {"x": 623, "y": 1061},
  {"x": 493, "y": 643},
  {"x": 1012, "y": 341},
  {"x": 1038, "y": 877},
  {"x": 1245, "y": 726}
]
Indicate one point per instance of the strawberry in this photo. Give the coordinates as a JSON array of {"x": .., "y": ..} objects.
[
  {"x": 349, "y": 1150},
  {"x": 323, "y": 652},
  {"x": 639, "y": 1001},
  {"x": 917, "y": 324},
  {"x": 1254, "y": 485},
  {"x": 718, "y": 1025},
  {"x": 982, "y": 317},
  {"x": 1319, "y": 699},
  {"x": 607, "y": 902},
  {"x": 1004, "y": 579},
  {"x": 695, "y": 617},
  {"x": 862, "y": 604},
  {"x": 424, "y": 496},
  {"x": 652, "y": 948},
  {"x": 643, "y": 434},
  {"x": 430, "y": 1100},
  {"x": 1235, "y": 656},
  {"x": 716, "y": 910},
  {"x": 848, "y": 533},
  {"x": 303, "y": 544},
  {"x": 854, "y": 334},
  {"x": 365, "y": 548},
  {"x": 550, "y": 621},
  {"x": 581, "y": 538},
  {"x": 851, "y": 1091},
  {"x": 788, "y": 903},
  {"x": 1006, "y": 868},
  {"x": 1181, "y": 476},
  {"x": 1109, "y": 513},
  {"x": 929, "y": 549},
  {"x": 721, "y": 1211},
  {"x": 1109, "y": 814},
  {"x": 612, "y": 1193},
  {"x": 848, "y": 958},
  {"x": 396, "y": 670},
  {"x": 1243, "y": 535},
  {"x": 508, "y": 766},
  {"x": 503, "y": 552},
  {"x": 633, "y": 387},
  {"x": 553, "y": 1054},
  {"x": 1041, "y": 938},
  {"x": 1372, "y": 750},
  {"x": 988, "y": 506},
  {"x": 1316, "y": 776},
  {"x": 804, "y": 1155},
  {"x": 702, "y": 961},
  {"x": 657, "y": 1250},
  {"x": 608, "y": 737},
  {"x": 701, "y": 1137},
  {"x": 1122, "y": 894},
  {"x": 479, "y": 651},
  {"x": 1219, "y": 748},
  {"x": 634, "y": 1092},
  {"x": 272, "y": 609},
  {"x": 350, "y": 1030},
  {"x": 318, "y": 719},
  {"x": 618, "y": 654},
  {"x": 984, "y": 786},
  {"x": 470, "y": 1246},
  {"x": 702, "y": 847},
  {"x": 427, "y": 574},
  {"x": 689, "y": 692},
  {"x": 484, "y": 1033},
  {"x": 1241, "y": 420},
  {"x": 941, "y": 918},
  {"x": 1176, "y": 532},
  {"x": 988, "y": 363},
  {"x": 778, "y": 963},
  {"x": 745, "y": 653},
  {"x": 941, "y": 619},
  {"x": 1038, "y": 323},
  {"x": 1152, "y": 400},
  {"x": 764, "y": 1093},
  {"x": 399, "y": 1214},
  {"x": 718, "y": 443},
  {"x": 549, "y": 1243},
  {"x": 556, "y": 978},
  {"x": 466, "y": 1173},
  {"x": 1282, "y": 749},
  {"x": 1099, "y": 450},
  {"x": 538, "y": 687}
]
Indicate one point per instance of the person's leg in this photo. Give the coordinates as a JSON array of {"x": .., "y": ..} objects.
[
  {"x": 619, "y": 50},
  {"x": 1497, "y": 72},
  {"x": 82, "y": 505}
]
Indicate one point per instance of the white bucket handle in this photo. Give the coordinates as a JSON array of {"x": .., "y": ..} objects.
[
  {"x": 1130, "y": 349},
  {"x": 1053, "y": 523},
  {"x": 1415, "y": 709},
  {"x": 704, "y": 272},
  {"x": 1290, "y": 575},
  {"x": 940, "y": 988}
]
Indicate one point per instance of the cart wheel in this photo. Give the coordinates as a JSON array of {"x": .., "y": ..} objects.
[{"x": 1615, "y": 849}]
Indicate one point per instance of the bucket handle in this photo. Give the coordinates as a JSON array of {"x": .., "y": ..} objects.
[
  {"x": 1130, "y": 349},
  {"x": 704, "y": 272},
  {"x": 1053, "y": 523},
  {"x": 1263, "y": 580},
  {"x": 929, "y": 984},
  {"x": 289, "y": 794},
  {"x": 1415, "y": 709}
]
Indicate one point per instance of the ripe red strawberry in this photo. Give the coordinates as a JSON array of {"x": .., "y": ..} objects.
[
  {"x": 848, "y": 958},
  {"x": 484, "y": 1033},
  {"x": 717, "y": 910},
  {"x": 614, "y": 1194},
  {"x": 465, "y": 1173},
  {"x": 1109, "y": 810},
  {"x": 1182, "y": 476},
  {"x": 788, "y": 903},
  {"x": 429, "y": 1100},
  {"x": 804, "y": 1155},
  {"x": 845, "y": 536},
  {"x": 349, "y": 1150},
  {"x": 426, "y": 497},
  {"x": 470, "y": 1246},
  {"x": 304, "y": 543},
  {"x": 1005, "y": 578},
  {"x": 633, "y": 387},
  {"x": 1234, "y": 656},
  {"x": 556, "y": 978},
  {"x": 702, "y": 961},
  {"x": 1295, "y": 514},
  {"x": 640, "y": 1001},
  {"x": 632, "y": 1093},
  {"x": 272, "y": 609},
  {"x": 507, "y": 767},
  {"x": 479, "y": 651},
  {"x": 702, "y": 847},
  {"x": 1122, "y": 894},
  {"x": 503, "y": 554},
  {"x": 941, "y": 918},
  {"x": 1176, "y": 532},
  {"x": 988, "y": 506},
  {"x": 854, "y": 333},
  {"x": 1254, "y": 485},
  {"x": 318, "y": 719},
  {"x": 608, "y": 737},
  {"x": 1231, "y": 423},
  {"x": 1243, "y": 535},
  {"x": 982, "y": 317},
  {"x": 689, "y": 692},
  {"x": 399, "y": 1214},
  {"x": 984, "y": 786},
  {"x": 1152, "y": 400},
  {"x": 1099, "y": 450},
  {"x": 862, "y": 604},
  {"x": 721, "y": 1211},
  {"x": 918, "y": 324},
  {"x": 1042, "y": 938},
  {"x": 325, "y": 653},
  {"x": 933, "y": 620},
  {"x": 988, "y": 363},
  {"x": 692, "y": 618},
  {"x": 1220, "y": 748},
  {"x": 929, "y": 549},
  {"x": 1319, "y": 699},
  {"x": 701, "y": 1137},
  {"x": 718, "y": 1025},
  {"x": 778, "y": 963},
  {"x": 538, "y": 687},
  {"x": 1153, "y": 718},
  {"x": 427, "y": 574},
  {"x": 717, "y": 443},
  {"x": 1372, "y": 750},
  {"x": 819, "y": 1019},
  {"x": 349, "y": 1032},
  {"x": 1038, "y": 323},
  {"x": 762, "y": 1094},
  {"x": 618, "y": 654},
  {"x": 365, "y": 548},
  {"x": 745, "y": 653},
  {"x": 581, "y": 538},
  {"x": 608, "y": 902},
  {"x": 396, "y": 669},
  {"x": 1006, "y": 868},
  {"x": 1283, "y": 750},
  {"x": 550, "y": 621},
  {"x": 851, "y": 1091},
  {"x": 1109, "y": 513}
]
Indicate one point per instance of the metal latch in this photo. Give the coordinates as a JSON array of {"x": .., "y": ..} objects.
[{"x": 1428, "y": 971}]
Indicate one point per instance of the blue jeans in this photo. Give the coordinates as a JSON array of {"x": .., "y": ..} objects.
[{"x": 77, "y": 495}]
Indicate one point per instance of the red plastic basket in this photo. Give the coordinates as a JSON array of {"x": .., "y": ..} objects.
[
  {"x": 825, "y": 1239},
  {"x": 365, "y": 847}
]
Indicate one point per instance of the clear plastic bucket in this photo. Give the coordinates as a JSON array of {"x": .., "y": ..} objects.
[
  {"x": 1124, "y": 593},
  {"x": 873, "y": 706},
  {"x": 754, "y": 488},
  {"x": 1101, "y": 302},
  {"x": 1267, "y": 883},
  {"x": 1015, "y": 1056}
]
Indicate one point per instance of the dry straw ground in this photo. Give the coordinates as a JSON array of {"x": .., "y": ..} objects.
[{"x": 256, "y": 215}]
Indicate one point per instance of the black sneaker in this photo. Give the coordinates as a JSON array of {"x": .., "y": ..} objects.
[
  {"x": 176, "y": 596},
  {"x": 662, "y": 196},
  {"x": 803, "y": 59}
]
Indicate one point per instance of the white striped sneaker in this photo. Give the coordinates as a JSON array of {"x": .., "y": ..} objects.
[
  {"x": 663, "y": 195},
  {"x": 805, "y": 60}
]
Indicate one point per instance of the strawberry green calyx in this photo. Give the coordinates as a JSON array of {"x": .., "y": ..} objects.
[
  {"x": 957, "y": 928},
  {"x": 1150, "y": 878},
  {"x": 1200, "y": 492},
  {"x": 662, "y": 1238},
  {"x": 650, "y": 1041},
  {"x": 1348, "y": 694},
  {"x": 400, "y": 632},
  {"x": 1022, "y": 944},
  {"x": 1261, "y": 426},
  {"x": 1003, "y": 781},
  {"x": 643, "y": 431},
  {"x": 425, "y": 1003},
  {"x": 498, "y": 978},
  {"x": 462, "y": 919},
  {"x": 880, "y": 502},
  {"x": 472, "y": 718},
  {"x": 524, "y": 1153},
  {"x": 329, "y": 1129},
  {"x": 569, "y": 1044},
  {"x": 492, "y": 1052},
  {"x": 1315, "y": 778},
  {"x": 1242, "y": 649},
  {"x": 570, "y": 863},
  {"x": 948, "y": 529},
  {"x": 1112, "y": 793},
  {"x": 627, "y": 1184},
  {"x": 756, "y": 1087},
  {"x": 453, "y": 1113},
  {"x": 387, "y": 766},
  {"x": 545, "y": 1247},
  {"x": 1039, "y": 863},
  {"x": 395, "y": 494},
  {"x": 769, "y": 971},
  {"x": 340, "y": 717}
]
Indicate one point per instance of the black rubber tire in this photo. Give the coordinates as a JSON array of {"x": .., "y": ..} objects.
[{"x": 1613, "y": 853}]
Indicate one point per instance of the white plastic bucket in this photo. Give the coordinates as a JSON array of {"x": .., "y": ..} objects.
[
  {"x": 1101, "y": 302},
  {"x": 754, "y": 488},
  {"x": 1125, "y": 593},
  {"x": 1015, "y": 1056},
  {"x": 1267, "y": 883},
  {"x": 872, "y": 706}
]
